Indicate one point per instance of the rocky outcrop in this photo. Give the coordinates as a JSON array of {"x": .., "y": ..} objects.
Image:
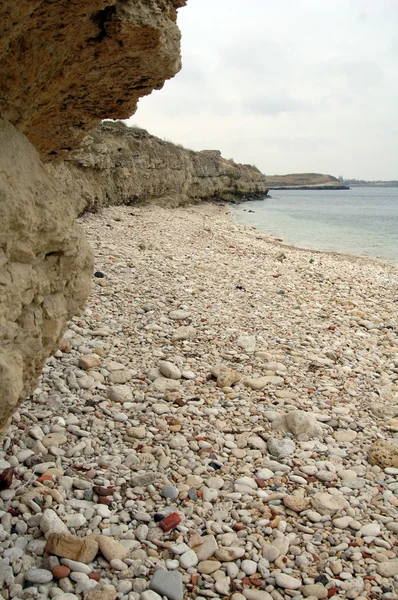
[
  {"x": 117, "y": 164},
  {"x": 45, "y": 266},
  {"x": 66, "y": 65},
  {"x": 63, "y": 67}
]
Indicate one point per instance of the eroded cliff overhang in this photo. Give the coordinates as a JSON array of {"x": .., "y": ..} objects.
[{"x": 67, "y": 64}]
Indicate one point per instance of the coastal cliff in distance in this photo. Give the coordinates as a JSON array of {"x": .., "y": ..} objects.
[
  {"x": 304, "y": 181},
  {"x": 117, "y": 164}
]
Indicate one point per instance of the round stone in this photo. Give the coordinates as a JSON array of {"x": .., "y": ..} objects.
[
  {"x": 38, "y": 576},
  {"x": 60, "y": 571},
  {"x": 249, "y": 567},
  {"x": 287, "y": 581},
  {"x": 169, "y": 491}
]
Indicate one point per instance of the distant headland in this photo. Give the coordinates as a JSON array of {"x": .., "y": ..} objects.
[
  {"x": 305, "y": 181},
  {"x": 363, "y": 183}
]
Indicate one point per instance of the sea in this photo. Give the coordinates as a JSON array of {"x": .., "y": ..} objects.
[{"x": 361, "y": 221}]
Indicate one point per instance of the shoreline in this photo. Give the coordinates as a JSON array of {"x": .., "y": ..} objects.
[
  {"x": 277, "y": 239},
  {"x": 222, "y": 417},
  {"x": 382, "y": 261}
]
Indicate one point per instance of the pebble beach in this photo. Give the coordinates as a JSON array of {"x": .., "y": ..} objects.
[{"x": 220, "y": 422}]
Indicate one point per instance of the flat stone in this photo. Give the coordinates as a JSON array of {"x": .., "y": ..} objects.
[
  {"x": 179, "y": 315},
  {"x": 370, "y": 530},
  {"x": 298, "y": 422},
  {"x": 121, "y": 377},
  {"x": 206, "y": 567},
  {"x": 74, "y": 565},
  {"x": 287, "y": 581},
  {"x": 259, "y": 383},
  {"x": 188, "y": 559},
  {"x": 281, "y": 448},
  {"x": 230, "y": 553},
  {"x": 326, "y": 504},
  {"x": 316, "y": 590},
  {"x": 345, "y": 435},
  {"x": 296, "y": 503},
  {"x": 102, "y": 592},
  {"x": 270, "y": 552},
  {"x": 342, "y": 522},
  {"x": 222, "y": 586},
  {"x": 388, "y": 568},
  {"x": 54, "y": 439},
  {"x": 120, "y": 393},
  {"x": 249, "y": 567},
  {"x": 207, "y": 548},
  {"x": 265, "y": 474},
  {"x": 66, "y": 545},
  {"x": 169, "y": 370},
  {"x": 162, "y": 384},
  {"x": 167, "y": 583},
  {"x": 185, "y": 332},
  {"x": 255, "y": 441},
  {"x": 86, "y": 382},
  {"x": 256, "y": 595},
  {"x": 51, "y": 523},
  {"x": 60, "y": 571},
  {"x": 110, "y": 548},
  {"x": 247, "y": 343},
  {"x": 88, "y": 362},
  {"x": 143, "y": 479}
]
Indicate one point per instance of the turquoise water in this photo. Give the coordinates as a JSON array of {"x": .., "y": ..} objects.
[{"x": 361, "y": 221}]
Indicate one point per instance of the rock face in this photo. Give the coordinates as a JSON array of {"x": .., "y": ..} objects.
[
  {"x": 63, "y": 67},
  {"x": 67, "y": 65},
  {"x": 117, "y": 164},
  {"x": 45, "y": 266}
]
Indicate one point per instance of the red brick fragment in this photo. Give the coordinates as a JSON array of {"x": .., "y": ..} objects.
[{"x": 171, "y": 521}]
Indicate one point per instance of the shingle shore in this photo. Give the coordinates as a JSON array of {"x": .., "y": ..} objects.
[{"x": 207, "y": 428}]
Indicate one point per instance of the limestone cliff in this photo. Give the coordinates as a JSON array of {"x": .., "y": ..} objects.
[
  {"x": 117, "y": 164},
  {"x": 66, "y": 65},
  {"x": 63, "y": 67}
]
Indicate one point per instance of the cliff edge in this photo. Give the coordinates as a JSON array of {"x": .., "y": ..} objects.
[{"x": 117, "y": 164}]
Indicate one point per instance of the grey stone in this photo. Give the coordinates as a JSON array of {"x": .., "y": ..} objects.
[
  {"x": 169, "y": 491},
  {"x": 167, "y": 583},
  {"x": 38, "y": 576},
  {"x": 281, "y": 448}
]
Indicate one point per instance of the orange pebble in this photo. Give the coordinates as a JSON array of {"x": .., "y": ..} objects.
[
  {"x": 60, "y": 571},
  {"x": 44, "y": 478}
]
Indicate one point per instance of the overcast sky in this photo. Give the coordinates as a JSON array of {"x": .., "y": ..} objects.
[{"x": 288, "y": 85}]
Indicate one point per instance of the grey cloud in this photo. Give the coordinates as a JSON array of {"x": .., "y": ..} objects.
[
  {"x": 268, "y": 105},
  {"x": 286, "y": 85}
]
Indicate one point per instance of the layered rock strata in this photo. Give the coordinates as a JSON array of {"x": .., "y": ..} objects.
[
  {"x": 63, "y": 67},
  {"x": 45, "y": 266},
  {"x": 117, "y": 164}
]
